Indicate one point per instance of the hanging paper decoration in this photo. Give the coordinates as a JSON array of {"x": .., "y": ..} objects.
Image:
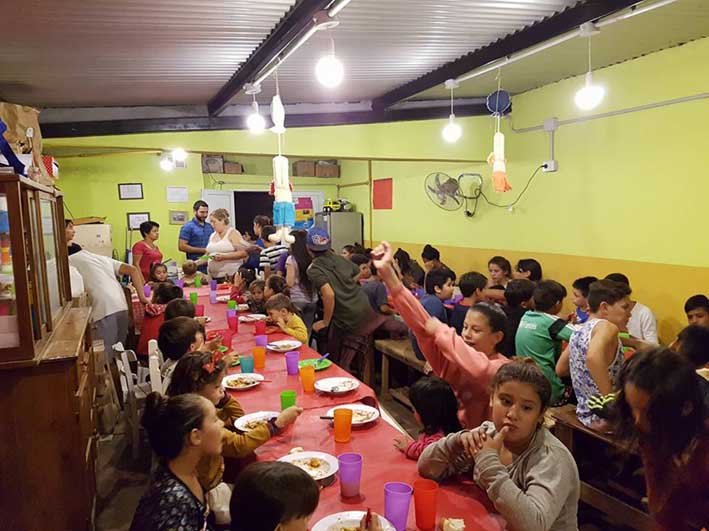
[
  {"x": 497, "y": 103},
  {"x": 283, "y": 207}
]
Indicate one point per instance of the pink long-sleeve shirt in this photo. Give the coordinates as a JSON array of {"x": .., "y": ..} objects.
[
  {"x": 468, "y": 371},
  {"x": 416, "y": 448}
]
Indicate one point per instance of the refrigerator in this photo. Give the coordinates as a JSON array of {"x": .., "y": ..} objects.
[{"x": 345, "y": 228}]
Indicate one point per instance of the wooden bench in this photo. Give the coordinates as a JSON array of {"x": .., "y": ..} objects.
[
  {"x": 402, "y": 351},
  {"x": 567, "y": 429}
]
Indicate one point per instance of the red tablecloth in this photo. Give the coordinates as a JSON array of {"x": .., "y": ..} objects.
[{"x": 382, "y": 462}]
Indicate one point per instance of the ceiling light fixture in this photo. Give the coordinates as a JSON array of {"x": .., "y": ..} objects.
[
  {"x": 590, "y": 95},
  {"x": 166, "y": 163},
  {"x": 254, "y": 121},
  {"x": 329, "y": 70},
  {"x": 179, "y": 155},
  {"x": 452, "y": 131}
]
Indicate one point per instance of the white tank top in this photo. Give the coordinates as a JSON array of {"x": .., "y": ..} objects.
[{"x": 222, "y": 245}]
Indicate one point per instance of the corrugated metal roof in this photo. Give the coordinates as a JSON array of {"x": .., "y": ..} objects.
[
  {"x": 385, "y": 43},
  {"x": 128, "y": 52}
]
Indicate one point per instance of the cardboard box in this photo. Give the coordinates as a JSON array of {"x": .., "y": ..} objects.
[
  {"x": 326, "y": 169},
  {"x": 95, "y": 238},
  {"x": 304, "y": 168},
  {"x": 212, "y": 164},
  {"x": 233, "y": 168}
]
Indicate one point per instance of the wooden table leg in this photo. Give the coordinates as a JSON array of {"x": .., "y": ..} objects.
[
  {"x": 368, "y": 369},
  {"x": 385, "y": 376}
]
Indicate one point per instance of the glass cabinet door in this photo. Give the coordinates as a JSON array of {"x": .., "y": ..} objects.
[
  {"x": 9, "y": 331},
  {"x": 50, "y": 256}
]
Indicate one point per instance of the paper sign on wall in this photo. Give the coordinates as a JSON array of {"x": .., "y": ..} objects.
[
  {"x": 176, "y": 194},
  {"x": 382, "y": 194}
]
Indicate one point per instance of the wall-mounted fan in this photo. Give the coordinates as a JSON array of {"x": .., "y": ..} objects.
[{"x": 451, "y": 193}]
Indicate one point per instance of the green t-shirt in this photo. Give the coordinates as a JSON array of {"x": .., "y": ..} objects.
[
  {"x": 534, "y": 340},
  {"x": 352, "y": 306}
]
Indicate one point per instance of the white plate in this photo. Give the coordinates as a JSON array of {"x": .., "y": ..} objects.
[
  {"x": 361, "y": 414},
  {"x": 252, "y": 317},
  {"x": 335, "y": 522},
  {"x": 285, "y": 345},
  {"x": 222, "y": 298},
  {"x": 254, "y": 377},
  {"x": 242, "y": 307},
  {"x": 336, "y": 386},
  {"x": 328, "y": 463},
  {"x": 203, "y": 319},
  {"x": 264, "y": 416}
]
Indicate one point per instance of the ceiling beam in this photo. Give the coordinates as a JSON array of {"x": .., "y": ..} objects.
[
  {"x": 290, "y": 26},
  {"x": 563, "y": 22},
  {"x": 217, "y": 123}
]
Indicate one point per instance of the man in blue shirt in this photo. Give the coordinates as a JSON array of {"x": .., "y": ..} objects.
[
  {"x": 439, "y": 288},
  {"x": 194, "y": 235}
]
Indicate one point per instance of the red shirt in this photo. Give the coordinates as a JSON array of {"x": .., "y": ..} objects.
[
  {"x": 150, "y": 328},
  {"x": 149, "y": 257}
]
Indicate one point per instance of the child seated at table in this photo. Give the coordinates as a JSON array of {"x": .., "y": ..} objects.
[
  {"x": 182, "y": 431},
  {"x": 240, "y": 282},
  {"x": 693, "y": 344},
  {"x": 257, "y": 302},
  {"x": 642, "y": 323},
  {"x": 286, "y": 316},
  {"x": 541, "y": 333},
  {"x": 697, "y": 310},
  {"x": 376, "y": 292},
  {"x": 363, "y": 263},
  {"x": 520, "y": 298},
  {"x": 471, "y": 287},
  {"x": 528, "y": 268},
  {"x": 276, "y": 496},
  {"x": 275, "y": 285},
  {"x": 177, "y": 337},
  {"x": 468, "y": 362},
  {"x": 528, "y": 474},
  {"x": 202, "y": 373},
  {"x": 158, "y": 275},
  {"x": 155, "y": 314},
  {"x": 660, "y": 412},
  {"x": 190, "y": 273},
  {"x": 179, "y": 308},
  {"x": 436, "y": 408},
  {"x": 439, "y": 288},
  {"x": 579, "y": 296},
  {"x": 500, "y": 271}
]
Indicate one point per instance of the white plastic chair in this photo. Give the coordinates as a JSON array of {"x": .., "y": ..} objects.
[
  {"x": 134, "y": 396},
  {"x": 154, "y": 351},
  {"x": 155, "y": 378}
]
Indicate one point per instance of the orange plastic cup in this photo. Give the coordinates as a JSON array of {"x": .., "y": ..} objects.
[
  {"x": 307, "y": 378},
  {"x": 425, "y": 498},
  {"x": 343, "y": 425},
  {"x": 259, "y": 357}
]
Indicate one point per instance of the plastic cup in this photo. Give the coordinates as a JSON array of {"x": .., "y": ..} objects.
[
  {"x": 350, "y": 470},
  {"x": 226, "y": 336},
  {"x": 213, "y": 296},
  {"x": 180, "y": 283},
  {"x": 231, "y": 305},
  {"x": 213, "y": 285},
  {"x": 247, "y": 363},
  {"x": 259, "y": 357},
  {"x": 292, "y": 363},
  {"x": 307, "y": 378},
  {"x": 343, "y": 425},
  {"x": 197, "y": 282},
  {"x": 230, "y": 313},
  {"x": 233, "y": 323},
  {"x": 199, "y": 310},
  {"x": 397, "y": 498},
  {"x": 259, "y": 328},
  {"x": 261, "y": 341},
  {"x": 425, "y": 499},
  {"x": 194, "y": 298},
  {"x": 146, "y": 290},
  {"x": 287, "y": 399}
]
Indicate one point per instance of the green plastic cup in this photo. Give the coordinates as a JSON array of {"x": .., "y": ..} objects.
[
  {"x": 287, "y": 399},
  {"x": 193, "y": 298},
  {"x": 197, "y": 282},
  {"x": 231, "y": 305}
]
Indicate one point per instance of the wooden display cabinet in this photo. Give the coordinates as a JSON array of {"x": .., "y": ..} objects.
[{"x": 47, "y": 369}]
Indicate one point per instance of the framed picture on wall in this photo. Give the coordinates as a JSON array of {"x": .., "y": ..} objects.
[
  {"x": 130, "y": 191},
  {"x": 178, "y": 217},
  {"x": 136, "y": 218}
]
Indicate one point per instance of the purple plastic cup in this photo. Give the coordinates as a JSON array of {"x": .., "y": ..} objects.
[
  {"x": 213, "y": 296},
  {"x": 261, "y": 341},
  {"x": 292, "y": 363},
  {"x": 397, "y": 498},
  {"x": 231, "y": 313},
  {"x": 350, "y": 470},
  {"x": 213, "y": 285},
  {"x": 180, "y": 283},
  {"x": 146, "y": 290}
]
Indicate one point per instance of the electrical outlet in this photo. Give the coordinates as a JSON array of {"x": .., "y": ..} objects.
[{"x": 550, "y": 166}]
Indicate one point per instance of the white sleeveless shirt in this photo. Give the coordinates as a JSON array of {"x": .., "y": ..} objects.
[{"x": 223, "y": 268}]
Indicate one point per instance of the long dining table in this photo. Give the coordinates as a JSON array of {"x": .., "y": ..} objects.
[{"x": 382, "y": 462}]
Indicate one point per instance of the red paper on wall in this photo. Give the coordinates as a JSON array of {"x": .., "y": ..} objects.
[{"x": 382, "y": 194}]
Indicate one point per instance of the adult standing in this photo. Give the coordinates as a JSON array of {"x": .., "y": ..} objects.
[
  {"x": 194, "y": 235},
  {"x": 146, "y": 252},
  {"x": 69, "y": 232},
  {"x": 301, "y": 289},
  {"x": 226, "y": 247}
]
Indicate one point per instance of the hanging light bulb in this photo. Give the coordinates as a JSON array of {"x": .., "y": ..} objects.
[
  {"x": 452, "y": 131},
  {"x": 590, "y": 95},
  {"x": 179, "y": 155},
  {"x": 167, "y": 164},
  {"x": 255, "y": 122},
  {"x": 329, "y": 70}
]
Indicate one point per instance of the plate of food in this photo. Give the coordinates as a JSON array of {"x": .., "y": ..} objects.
[
  {"x": 242, "y": 307},
  {"x": 348, "y": 521},
  {"x": 254, "y": 420},
  {"x": 361, "y": 414},
  {"x": 336, "y": 386},
  {"x": 203, "y": 319},
  {"x": 243, "y": 381},
  {"x": 222, "y": 298},
  {"x": 318, "y": 464},
  {"x": 252, "y": 318},
  {"x": 285, "y": 345},
  {"x": 319, "y": 364}
]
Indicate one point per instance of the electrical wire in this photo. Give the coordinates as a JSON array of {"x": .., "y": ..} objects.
[{"x": 513, "y": 203}]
